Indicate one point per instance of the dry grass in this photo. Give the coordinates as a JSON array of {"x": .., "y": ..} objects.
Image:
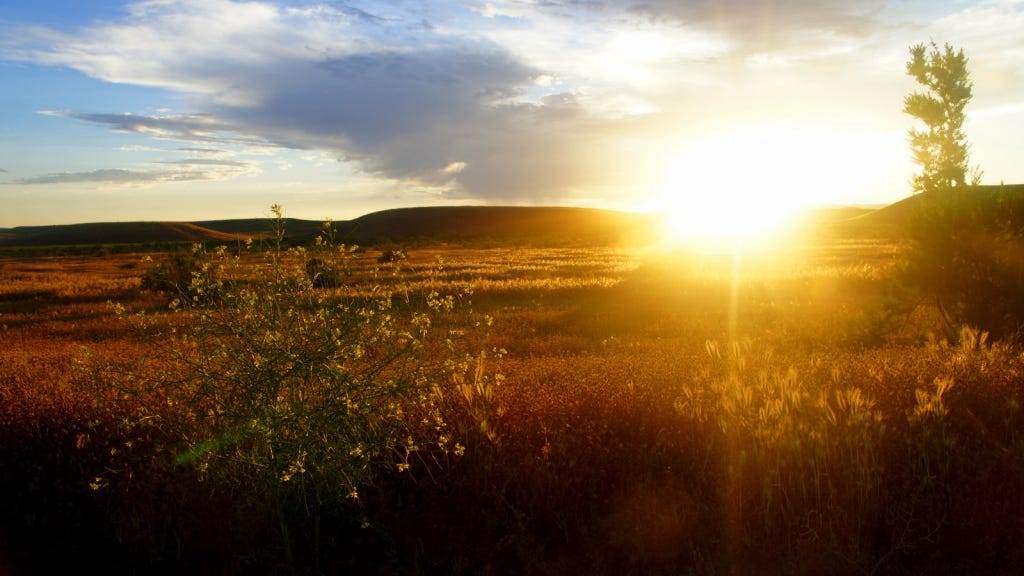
[{"x": 657, "y": 413}]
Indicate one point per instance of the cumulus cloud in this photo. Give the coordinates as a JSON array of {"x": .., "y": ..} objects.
[
  {"x": 505, "y": 100},
  {"x": 369, "y": 99},
  {"x": 381, "y": 88},
  {"x": 404, "y": 116},
  {"x": 193, "y": 46},
  {"x": 401, "y": 100}
]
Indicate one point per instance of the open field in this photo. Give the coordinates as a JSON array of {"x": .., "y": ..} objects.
[{"x": 618, "y": 411}]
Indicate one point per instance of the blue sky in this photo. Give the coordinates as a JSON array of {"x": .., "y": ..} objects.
[{"x": 203, "y": 109}]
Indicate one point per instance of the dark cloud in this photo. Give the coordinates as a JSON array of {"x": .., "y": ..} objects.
[
  {"x": 360, "y": 14},
  {"x": 439, "y": 117},
  {"x": 442, "y": 117},
  {"x": 370, "y": 99}
]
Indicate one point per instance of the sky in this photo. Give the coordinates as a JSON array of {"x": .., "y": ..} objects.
[{"x": 185, "y": 110}]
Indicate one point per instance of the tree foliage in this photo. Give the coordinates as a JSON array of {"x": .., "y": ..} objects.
[{"x": 941, "y": 148}]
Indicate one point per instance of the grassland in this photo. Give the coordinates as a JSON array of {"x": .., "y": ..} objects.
[{"x": 620, "y": 410}]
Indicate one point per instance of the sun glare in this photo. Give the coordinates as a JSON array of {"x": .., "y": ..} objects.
[{"x": 746, "y": 186}]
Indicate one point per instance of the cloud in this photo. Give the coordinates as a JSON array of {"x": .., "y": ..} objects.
[
  {"x": 451, "y": 118},
  {"x": 789, "y": 15},
  {"x": 203, "y": 151},
  {"x": 506, "y": 101},
  {"x": 369, "y": 99},
  {"x": 111, "y": 176},
  {"x": 407, "y": 110},
  {"x": 405, "y": 116},
  {"x": 193, "y": 128},
  {"x": 750, "y": 26},
  {"x": 192, "y": 46},
  {"x": 207, "y": 162},
  {"x": 494, "y": 100},
  {"x": 186, "y": 170},
  {"x": 404, "y": 101}
]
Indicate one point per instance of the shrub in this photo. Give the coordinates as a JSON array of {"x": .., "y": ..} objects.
[
  {"x": 322, "y": 274},
  {"x": 392, "y": 256},
  {"x": 326, "y": 270},
  {"x": 186, "y": 275},
  {"x": 293, "y": 397},
  {"x": 966, "y": 255}
]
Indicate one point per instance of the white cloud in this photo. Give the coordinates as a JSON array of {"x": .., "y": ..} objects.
[
  {"x": 504, "y": 99},
  {"x": 192, "y": 128},
  {"x": 121, "y": 176},
  {"x": 199, "y": 47}
]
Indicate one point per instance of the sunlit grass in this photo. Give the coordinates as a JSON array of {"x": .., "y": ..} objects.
[{"x": 655, "y": 412}]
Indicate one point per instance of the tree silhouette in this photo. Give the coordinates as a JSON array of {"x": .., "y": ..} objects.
[
  {"x": 966, "y": 251},
  {"x": 941, "y": 149}
]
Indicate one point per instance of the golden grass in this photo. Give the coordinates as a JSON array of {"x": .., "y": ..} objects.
[{"x": 656, "y": 413}]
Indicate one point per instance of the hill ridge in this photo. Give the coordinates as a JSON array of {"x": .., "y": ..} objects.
[{"x": 517, "y": 223}]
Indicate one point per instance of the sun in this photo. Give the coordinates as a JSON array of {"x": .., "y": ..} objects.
[{"x": 747, "y": 185}]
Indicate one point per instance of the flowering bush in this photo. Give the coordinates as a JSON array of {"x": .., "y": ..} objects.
[{"x": 295, "y": 396}]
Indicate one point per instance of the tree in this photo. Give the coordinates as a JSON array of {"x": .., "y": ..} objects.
[
  {"x": 965, "y": 246},
  {"x": 941, "y": 149}
]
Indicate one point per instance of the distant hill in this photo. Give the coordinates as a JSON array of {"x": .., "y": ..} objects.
[
  {"x": 110, "y": 233},
  {"x": 256, "y": 227},
  {"x": 894, "y": 216},
  {"x": 505, "y": 224},
  {"x": 545, "y": 225},
  {"x": 893, "y": 219},
  {"x": 839, "y": 213},
  {"x": 500, "y": 224}
]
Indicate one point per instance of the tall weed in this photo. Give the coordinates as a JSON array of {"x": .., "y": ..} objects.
[
  {"x": 293, "y": 396},
  {"x": 800, "y": 464}
]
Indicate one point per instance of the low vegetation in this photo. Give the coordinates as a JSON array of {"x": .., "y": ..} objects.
[{"x": 501, "y": 410}]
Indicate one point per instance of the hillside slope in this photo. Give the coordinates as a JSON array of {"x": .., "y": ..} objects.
[
  {"x": 893, "y": 219},
  {"x": 501, "y": 224},
  {"x": 110, "y": 233},
  {"x": 515, "y": 224},
  {"x": 546, "y": 225}
]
